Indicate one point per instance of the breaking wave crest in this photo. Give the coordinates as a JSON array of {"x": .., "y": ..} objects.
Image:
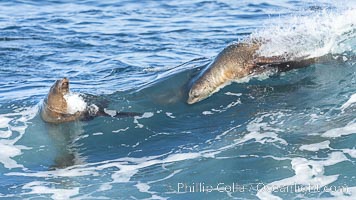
[{"x": 314, "y": 35}]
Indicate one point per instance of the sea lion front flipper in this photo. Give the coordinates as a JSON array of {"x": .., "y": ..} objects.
[
  {"x": 128, "y": 114},
  {"x": 273, "y": 60},
  {"x": 101, "y": 112},
  {"x": 283, "y": 63},
  {"x": 99, "y": 101}
]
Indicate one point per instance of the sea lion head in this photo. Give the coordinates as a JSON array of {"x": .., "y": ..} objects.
[
  {"x": 60, "y": 87},
  {"x": 199, "y": 91},
  {"x": 231, "y": 64},
  {"x": 55, "y": 99},
  {"x": 209, "y": 81}
]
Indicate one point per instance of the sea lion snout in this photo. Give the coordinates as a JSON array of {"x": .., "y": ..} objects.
[
  {"x": 192, "y": 98},
  {"x": 62, "y": 86},
  {"x": 198, "y": 92},
  {"x": 65, "y": 85}
]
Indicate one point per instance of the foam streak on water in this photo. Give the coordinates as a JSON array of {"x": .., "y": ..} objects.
[
  {"x": 307, "y": 173},
  {"x": 15, "y": 125},
  {"x": 349, "y": 103}
]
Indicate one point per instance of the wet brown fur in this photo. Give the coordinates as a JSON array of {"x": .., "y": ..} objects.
[
  {"x": 235, "y": 62},
  {"x": 54, "y": 108}
]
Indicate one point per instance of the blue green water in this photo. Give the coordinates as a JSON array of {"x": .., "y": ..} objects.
[{"x": 282, "y": 136}]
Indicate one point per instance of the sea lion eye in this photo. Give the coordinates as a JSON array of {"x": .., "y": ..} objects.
[{"x": 195, "y": 95}]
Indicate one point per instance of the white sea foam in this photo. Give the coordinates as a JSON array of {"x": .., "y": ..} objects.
[
  {"x": 307, "y": 173},
  {"x": 351, "y": 152},
  {"x": 233, "y": 94},
  {"x": 8, "y": 152},
  {"x": 315, "y": 146},
  {"x": 67, "y": 172},
  {"x": 207, "y": 113},
  {"x": 75, "y": 103},
  {"x": 121, "y": 130},
  {"x": 4, "y": 124},
  {"x": 349, "y": 129},
  {"x": 349, "y": 103},
  {"x": 4, "y": 121},
  {"x": 349, "y": 194},
  {"x": 14, "y": 124},
  {"x": 261, "y": 131},
  {"x": 313, "y": 35},
  {"x": 105, "y": 186},
  {"x": 145, "y": 115},
  {"x": 144, "y": 187},
  {"x": 38, "y": 187},
  {"x": 98, "y": 133},
  {"x": 170, "y": 115},
  {"x": 222, "y": 108},
  {"x": 125, "y": 169},
  {"x": 112, "y": 113},
  {"x": 126, "y": 166}
]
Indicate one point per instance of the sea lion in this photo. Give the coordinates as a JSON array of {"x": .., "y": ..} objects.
[
  {"x": 55, "y": 107},
  {"x": 237, "y": 61}
]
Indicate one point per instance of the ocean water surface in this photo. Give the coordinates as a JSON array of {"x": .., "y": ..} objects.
[{"x": 277, "y": 136}]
